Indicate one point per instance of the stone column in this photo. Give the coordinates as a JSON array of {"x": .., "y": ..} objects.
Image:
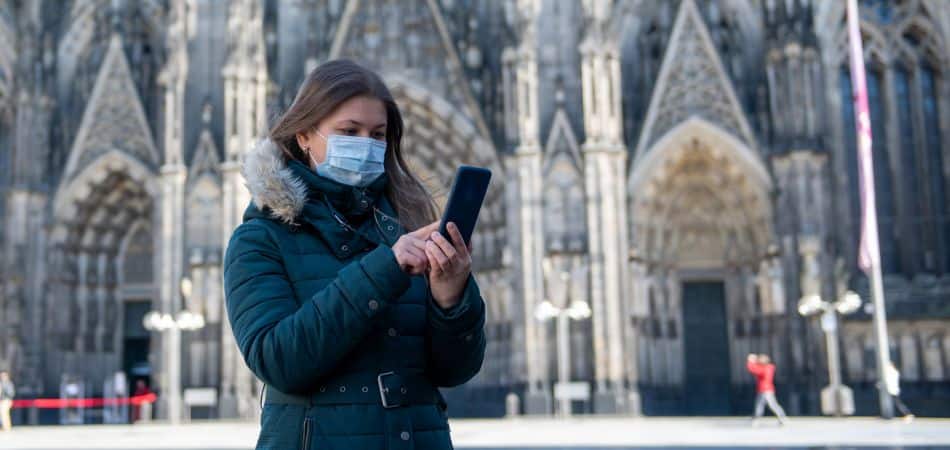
[
  {"x": 171, "y": 239},
  {"x": 24, "y": 277},
  {"x": 23, "y": 287},
  {"x": 605, "y": 165},
  {"x": 522, "y": 87},
  {"x": 638, "y": 310},
  {"x": 82, "y": 263},
  {"x": 173, "y": 172},
  {"x": 803, "y": 192},
  {"x": 245, "y": 118},
  {"x": 235, "y": 199}
]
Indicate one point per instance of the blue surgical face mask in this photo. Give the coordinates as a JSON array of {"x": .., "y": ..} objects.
[{"x": 352, "y": 160}]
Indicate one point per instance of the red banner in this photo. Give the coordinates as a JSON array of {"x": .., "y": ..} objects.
[{"x": 58, "y": 403}]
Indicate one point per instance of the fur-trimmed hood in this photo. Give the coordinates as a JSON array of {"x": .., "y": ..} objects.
[{"x": 272, "y": 184}]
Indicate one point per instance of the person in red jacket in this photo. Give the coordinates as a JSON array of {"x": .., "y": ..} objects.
[{"x": 761, "y": 367}]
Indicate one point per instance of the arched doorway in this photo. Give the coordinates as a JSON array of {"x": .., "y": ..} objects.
[
  {"x": 701, "y": 229},
  {"x": 102, "y": 272},
  {"x": 437, "y": 139}
]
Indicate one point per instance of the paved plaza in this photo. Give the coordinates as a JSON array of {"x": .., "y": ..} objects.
[{"x": 582, "y": 433}]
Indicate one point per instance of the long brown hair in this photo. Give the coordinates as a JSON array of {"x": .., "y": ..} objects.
[{"x": 325, "y": 88}]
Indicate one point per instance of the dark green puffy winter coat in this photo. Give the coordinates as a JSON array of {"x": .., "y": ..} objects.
[{"x": 351, "y": 348}]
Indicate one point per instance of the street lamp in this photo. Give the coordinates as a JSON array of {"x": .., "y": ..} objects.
[
  {"x": 161, "y": 322},
  {"x": 836, "y": 398},
  {"x": 578, "y": 310}
]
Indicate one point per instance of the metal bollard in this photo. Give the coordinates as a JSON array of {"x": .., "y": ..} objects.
[
  {"x": 145, "y": 413},
  {"x": 512, "y": 405}
]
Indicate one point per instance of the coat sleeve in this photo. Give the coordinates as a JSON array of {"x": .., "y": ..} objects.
[
  {"x": 289, "y": 347},
  {"x": 455, "y": 338}
]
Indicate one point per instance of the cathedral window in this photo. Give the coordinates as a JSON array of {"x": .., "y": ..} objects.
[
  {"x": 883, "y": 189},
  {"x": 906, "y": 141},
  {"x": 933, "y": 147}
]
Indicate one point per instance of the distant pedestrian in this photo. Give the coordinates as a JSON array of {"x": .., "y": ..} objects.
[
  {"x": 892, "y": 382},
  {"x": 7, "y": 392},
  {"x": 140, "y": 389},
  {"x": 761, "y": 367}
]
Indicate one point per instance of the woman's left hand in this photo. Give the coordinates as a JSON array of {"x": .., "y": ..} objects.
[{"x": 450, "y": 264}]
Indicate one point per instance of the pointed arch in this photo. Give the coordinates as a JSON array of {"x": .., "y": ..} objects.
[
  {"x": 206, "y": 158},
  {"x": 695, "y": 127},
  {"x": 875, "y": 42},
  {"x": 79, "y": 187},
  {"x": 438, "y": 138},
  {"x": 202, "y": 215},
  {"x": 561, "y": 141},
  {"x": 692, "y": 82},
  {"x": 114, "y": 117},
  {"x": 931, "y": 45},
  {"x": 431, "y": 118},
  {"x": 93, "y": 213},
  {"x": 700, "y": 195}
]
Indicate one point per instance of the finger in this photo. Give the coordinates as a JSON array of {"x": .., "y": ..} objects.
[
  {"x": 417, "y": 259},
  {"x": 424, "y": 232},
  {"x": 445, "y": 245},
  {"x": 423, "y": 264},
  {"x": 435, "y": 252},
  {"x": 434, "y": 266},
  {"x": 456, "y": 235},
  {"x": 419, "y": 244}
]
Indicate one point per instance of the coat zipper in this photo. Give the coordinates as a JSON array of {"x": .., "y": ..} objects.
[{"x": 305, "y": 438}]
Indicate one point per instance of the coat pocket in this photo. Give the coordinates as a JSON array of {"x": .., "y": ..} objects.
[{"x": 282, "y": 427}]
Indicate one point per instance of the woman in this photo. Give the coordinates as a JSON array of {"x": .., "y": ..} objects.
[{"x": 351, "y": 321}]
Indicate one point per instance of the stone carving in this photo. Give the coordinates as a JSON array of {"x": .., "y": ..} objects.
[
  {"x": 692, "y": 82},
  {"x": 114, "y": 118}
]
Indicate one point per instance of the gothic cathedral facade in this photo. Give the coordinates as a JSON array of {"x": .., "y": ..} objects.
[{"x": 685, "y": 167}]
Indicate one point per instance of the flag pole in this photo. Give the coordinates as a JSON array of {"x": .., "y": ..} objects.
[{"x": 869, "y": 256}]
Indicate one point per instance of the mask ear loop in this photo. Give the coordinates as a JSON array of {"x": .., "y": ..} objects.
[{"x": 310, "y": 154}]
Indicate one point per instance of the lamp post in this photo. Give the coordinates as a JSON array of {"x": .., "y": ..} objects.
[
  {"x": 161, "y": 322},
  {"x": 836, "y": 398},
  {"x": 578, "y": 310}
]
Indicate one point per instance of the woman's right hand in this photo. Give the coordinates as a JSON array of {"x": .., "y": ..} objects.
[{"x": 410, "y": 250}]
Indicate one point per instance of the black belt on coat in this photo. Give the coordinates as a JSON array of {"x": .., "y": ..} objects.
[{"x": 389, "y": 389}]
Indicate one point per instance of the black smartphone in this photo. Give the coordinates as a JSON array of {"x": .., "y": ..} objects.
[{"x": 465, "y": 201}]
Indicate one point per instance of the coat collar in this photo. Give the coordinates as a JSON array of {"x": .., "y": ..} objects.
[{"x": 293, "y": 194}]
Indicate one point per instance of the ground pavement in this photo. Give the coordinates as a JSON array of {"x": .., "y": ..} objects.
[{"x": 586, "y": 433}]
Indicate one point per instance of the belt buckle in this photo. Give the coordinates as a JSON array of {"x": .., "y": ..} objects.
[{"x": 383, "y": 390}]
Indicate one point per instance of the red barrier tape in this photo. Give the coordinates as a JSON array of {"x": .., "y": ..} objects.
[{"x": 58, "y": 403}]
